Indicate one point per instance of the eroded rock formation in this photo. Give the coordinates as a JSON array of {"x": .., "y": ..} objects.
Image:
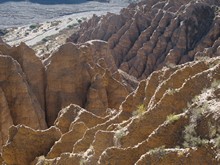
[
  {"x": 99, "y": 110},
  {"x": 87, "y": 77},
  {"x": 32, "y": 67},
  {"x": 18, "y": 104},
  {"x": 24, "y": 144},
  {"x": 83, "y": 75},
  {"x": 175, "y": 106},
  {"x": 151, "y": 34}
]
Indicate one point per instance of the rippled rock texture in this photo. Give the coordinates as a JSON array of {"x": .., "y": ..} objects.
[{"x": 116, "y": 96}]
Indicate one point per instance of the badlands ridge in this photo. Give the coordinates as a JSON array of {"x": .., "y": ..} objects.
[{"x": 141, "y": 87}]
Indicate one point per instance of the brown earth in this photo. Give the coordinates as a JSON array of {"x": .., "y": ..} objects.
[{"x": 121, "y": 99}]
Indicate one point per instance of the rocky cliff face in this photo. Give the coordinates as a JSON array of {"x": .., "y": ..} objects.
[
  {"x": 122, "y": 99},
  {"x": 33, "y": 93},
  {"x": 19, "y": 104},
  {"x": 83, "y": 75}
]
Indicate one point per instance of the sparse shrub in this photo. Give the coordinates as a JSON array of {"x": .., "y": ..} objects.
[
  {"x": 82, "y": 161},
  {"x": 84, "y": 18},
  {"x": 199, "y": 111},
  {"x": 55, "y": 23},
  {"x": 140, "y": 110},
  {"x": 70, "y": 26},
  {"x": 182, "y": 152},
  {"x": 79, "y": 21},
  {"x": 172, "y": 118},
  {"x": 26, "y": 34},
  {"x": 177, "y": 147},
  {"x": 188, "y": 105},
  {"x": 171, "y": 91},
  {"x": 195, "y": 99},
  {"x": 170, "y": 65},
  {"x": 191, "y": 139},
  {"x": 202, "y": 57},
  {"x": 34, "y": 26},
  {"x": 159, "y": 151},
  {"x": 45, "y": 39},
  {"x": 3, "y": 32},
  {"x": 212, "y": 130},
  {"x": 217, "y": 141},
  {"x": 85, "y": 155},
  {"x": 215, "y": 83},
  {"x": 119, "y": 134},
  {"x": 189, "y": 136}
]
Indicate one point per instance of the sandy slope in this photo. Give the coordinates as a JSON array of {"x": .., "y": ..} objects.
[{"x": 32, "y": 34}]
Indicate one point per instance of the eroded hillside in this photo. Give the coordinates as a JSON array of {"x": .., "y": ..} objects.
[
  {"x": 152, "y": 34},
  {"x": 120, "y": 99}
]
